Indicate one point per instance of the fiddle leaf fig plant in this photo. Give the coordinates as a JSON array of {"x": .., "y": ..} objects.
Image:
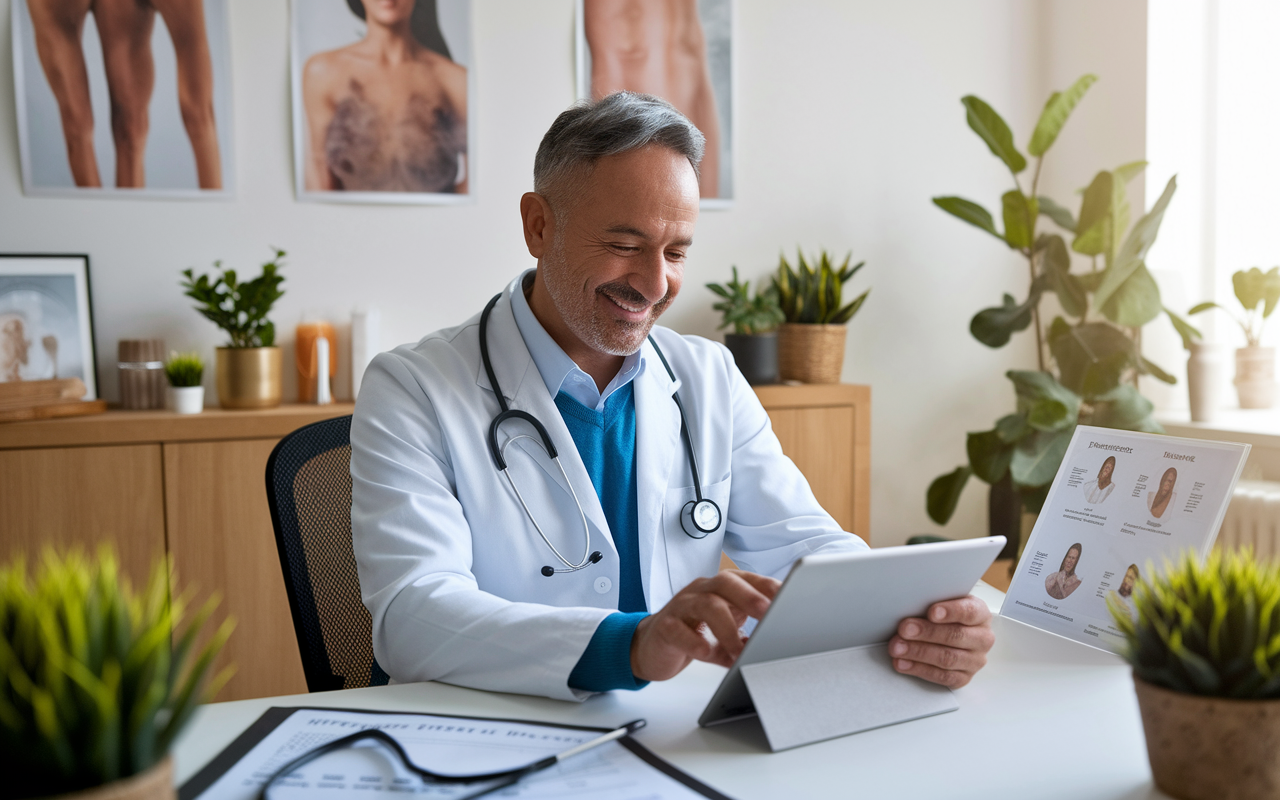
[
  {"x": 1253, "y": 288},
  {"x": 813, "y": 295},
  {"x": 239, "y": 308},
  {"x": 747, "y": 315},
  {"x": 1088, "y": 357}
]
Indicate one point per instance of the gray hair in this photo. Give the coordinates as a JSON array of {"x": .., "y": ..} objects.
[{"x": 619, "y": 123}]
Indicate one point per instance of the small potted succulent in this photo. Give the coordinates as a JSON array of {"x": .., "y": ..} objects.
[
  {"x": 249, "y": 366},
  {"x": 754, "y": 341},
  {"x": 1203, "y": 638},
  {"x": 811, "y": 341},
  {"x": 185, "y": 372},
  {"x": 1258, "y": 292},
  {"x": 96, "y": 680}
]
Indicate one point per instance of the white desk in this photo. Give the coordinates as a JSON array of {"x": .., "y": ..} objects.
[{"x": 1047, "y": 718}]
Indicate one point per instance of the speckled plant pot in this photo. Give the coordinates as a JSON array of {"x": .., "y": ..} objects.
[{"x": 1211, "y": 748}]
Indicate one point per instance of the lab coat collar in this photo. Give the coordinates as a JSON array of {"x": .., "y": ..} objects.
[{"x": 658, "y": 449}]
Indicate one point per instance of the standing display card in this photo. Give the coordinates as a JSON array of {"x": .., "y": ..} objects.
[{"x": 1121, "y": 503}]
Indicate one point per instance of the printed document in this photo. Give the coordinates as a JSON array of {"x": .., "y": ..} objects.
[{"x": 1121, "y": 503}]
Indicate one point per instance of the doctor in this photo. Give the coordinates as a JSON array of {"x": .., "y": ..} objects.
[{"x": 596, "y": 570}]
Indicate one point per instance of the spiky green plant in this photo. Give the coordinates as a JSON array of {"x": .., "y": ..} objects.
[
  {"x": 745, "y": 314},
  {"x": 812, "y": 295},
  {"x": 95, "y": 682},
  {"x": 1210, "y": 628},
  {"x": 184, "y": 369}
]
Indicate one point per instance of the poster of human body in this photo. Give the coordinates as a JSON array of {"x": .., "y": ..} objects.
[
  {"x": 123, "y": 97},
  {"x": 381, "y": 100},
  {"x": 679, "y": 50}
]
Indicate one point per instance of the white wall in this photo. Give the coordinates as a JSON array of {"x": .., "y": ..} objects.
[{"x": 848, "y": 121}]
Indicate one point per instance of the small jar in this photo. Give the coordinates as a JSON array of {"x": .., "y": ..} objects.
[{"x": 142, "y": 379}]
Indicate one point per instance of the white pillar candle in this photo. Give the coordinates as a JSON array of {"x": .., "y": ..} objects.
[
  {"x": 323, "y": 397},
  {"x": 364, "y": 343}
]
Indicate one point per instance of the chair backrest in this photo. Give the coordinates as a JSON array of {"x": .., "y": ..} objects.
[{"x": 309, "y": 491}]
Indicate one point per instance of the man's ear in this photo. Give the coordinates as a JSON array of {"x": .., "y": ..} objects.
[{"x": 539, "y": 223}]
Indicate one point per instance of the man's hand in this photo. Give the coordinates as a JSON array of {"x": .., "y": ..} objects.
[
  {"x": 665, "y": 642},
  {"x": 948, "y": 647}
]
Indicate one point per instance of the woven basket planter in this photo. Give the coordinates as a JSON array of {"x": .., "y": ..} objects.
[{"x": 811, "y": 353}]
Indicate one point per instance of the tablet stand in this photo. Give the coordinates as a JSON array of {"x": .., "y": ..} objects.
[{"x": 821, "y": 696}]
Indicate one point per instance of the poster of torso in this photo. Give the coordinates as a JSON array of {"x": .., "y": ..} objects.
[{"x": 1122, "y": 502}]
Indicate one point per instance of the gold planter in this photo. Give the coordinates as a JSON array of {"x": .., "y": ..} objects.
[
  {"x": 1211, "y": 748},
  {"x": 811, "y": 353},
  {"x": 154, "y": 784},
  {"x": 248, "y": 377}
]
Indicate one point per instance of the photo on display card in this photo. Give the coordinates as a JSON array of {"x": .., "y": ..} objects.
[
  {"x": 679, "y": 50},
  {"x": 46, "y": 325},
  {"x": 1121, "y": 504},
  {"x": 382, "y": 99},
  {"x": 126, "y": 99}
]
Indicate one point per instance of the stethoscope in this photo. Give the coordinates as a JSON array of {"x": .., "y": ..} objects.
[{"x": 698, "y": 517}]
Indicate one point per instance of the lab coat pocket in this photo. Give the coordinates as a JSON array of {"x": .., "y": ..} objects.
[{"x": 689, "y": 558}]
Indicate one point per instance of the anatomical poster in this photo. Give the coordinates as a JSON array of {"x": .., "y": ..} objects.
[{"x": 1121, "y": 504}]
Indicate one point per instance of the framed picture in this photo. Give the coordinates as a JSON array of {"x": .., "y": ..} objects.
[
  {"x": 122, "y": 99},
  {"x": 46, "y": 322},
  {"x": 382, "y": 100},
  {"x": 681, "y": 51}
]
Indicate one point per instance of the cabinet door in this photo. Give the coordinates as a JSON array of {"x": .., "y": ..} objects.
[
  {"x": 84, "y": 496},
  {"x": 221, "y": 539}
]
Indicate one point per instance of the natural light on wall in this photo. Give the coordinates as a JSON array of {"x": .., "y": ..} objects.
[{"x": 1213, "y": 113}]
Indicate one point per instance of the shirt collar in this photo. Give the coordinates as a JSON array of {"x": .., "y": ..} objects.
[{"x": 558, "y": 371}]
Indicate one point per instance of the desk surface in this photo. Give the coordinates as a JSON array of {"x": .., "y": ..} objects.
[{"x": 1047, "y": 718}]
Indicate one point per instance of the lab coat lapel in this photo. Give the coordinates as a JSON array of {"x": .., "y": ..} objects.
[{"x": 657, "y": 447}]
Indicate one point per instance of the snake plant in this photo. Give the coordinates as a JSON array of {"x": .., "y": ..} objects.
[
  {"x": 94, "y": 681},
  {"x": 812, "y": 295},
  {"x": 1210, "y": 628}
]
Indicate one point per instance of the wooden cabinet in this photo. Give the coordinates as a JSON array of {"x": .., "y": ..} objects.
[{"x": 153, "y": 482}]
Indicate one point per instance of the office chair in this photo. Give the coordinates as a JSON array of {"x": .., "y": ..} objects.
[{"x": 309, "y": 491}]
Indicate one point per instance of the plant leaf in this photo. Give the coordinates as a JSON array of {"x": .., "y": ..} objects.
[
  {"x": 989, "y": 125},
  {"x": 1185, "y": 329},
  {"x": 1057, "y": 267},
  {"x": 1134, "y": 250},
  {"x": 1124, "y": 408},
  {"x": 968, "y": 211},
  {"x": 1136, "y": 301},
  {"x": 1019, "y": 219},
  {"x": 995, "y": 326},
  {"x": 1059, "y": 214},
  {"x": 944, "y": 494},
  {"x": 1055, "y": 115},
  {"x": 1093, "y": 231},
  {"x": 989, "y": 455},
  {"x": 1036, "y": 458}
]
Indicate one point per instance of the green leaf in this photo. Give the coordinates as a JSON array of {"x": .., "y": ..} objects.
[
  {"x": 1012, "y": 428},
  {"x": 989, "y": 455},
  {"x": 1036, "y": 459},
  {"x": 944, "y": 494},
  {"x": 1057, "y": 267},
  {"x": 1127, "y": 172},
  {"x": 1034, "y": 386},
  {"x": 992, "y": 128},
  {"x": 1134, "y": 250},
  {"x": 1136, "y": 301},
  {"x": 1055, "y": 115},
  {"x": 968, "y": 211},
  {"x": 1124, "y": 408},
  {"x": 1049, "y": 415},
  {"x": 1154, "y": 370},
  {"x": 1202, "y": 307},
  {"x": 995, "y": 326},
  {"x": 1057, "y": 213},
  {"x": 1186, "y": 330},
  {"x": 1254, "y": 287},
  {"x": 1093, "y": 231},
  {"x": 1019, "y": 219}
]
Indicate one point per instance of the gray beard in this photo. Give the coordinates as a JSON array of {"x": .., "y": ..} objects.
[{"x": 583, "y": 318}]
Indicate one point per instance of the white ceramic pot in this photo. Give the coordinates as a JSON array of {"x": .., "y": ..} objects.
[
  {"x": 186, "y": 399},
  {"x": 1256, "y": 376},
  {"x": 1206, "y": 377}
]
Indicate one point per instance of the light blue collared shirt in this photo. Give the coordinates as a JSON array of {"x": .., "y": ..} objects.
[{"x": 554, "y": 365}]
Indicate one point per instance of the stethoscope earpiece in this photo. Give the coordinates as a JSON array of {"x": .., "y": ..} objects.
[{"x": 594, "y": 558}]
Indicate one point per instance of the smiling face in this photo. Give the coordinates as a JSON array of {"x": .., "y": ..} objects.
[
  {"x": 1167, "y": 481},
  {"x": 613, "y": 260},
  {"x": 1069, "y": 561},
  {"x": 1104, "y": 474}
]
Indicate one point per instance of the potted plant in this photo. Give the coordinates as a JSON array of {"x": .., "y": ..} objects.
[
  {"x": 1202, "y": 640},
  {"x": 754, "y": 341},
  {"x": 248, "y": 367},
  {"x": 811, "y": 341},
  {"x": 95, "y": 681},
  {"x": 185, "y": 372},
  {"x": 1088, "y": 357},
  {"x": 1255, "y": 364}
]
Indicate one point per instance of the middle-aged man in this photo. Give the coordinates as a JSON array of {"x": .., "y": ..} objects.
[{"x": 588, "y": 574}]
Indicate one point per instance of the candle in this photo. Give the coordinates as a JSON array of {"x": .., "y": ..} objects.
[
  {"x": 364, "y": 343},
  {"x": 323, "y": 397},
  {"x": 308, "y": 367}
]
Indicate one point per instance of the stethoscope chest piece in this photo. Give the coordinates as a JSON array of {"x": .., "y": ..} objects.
[{"x": 700, "y": 517}]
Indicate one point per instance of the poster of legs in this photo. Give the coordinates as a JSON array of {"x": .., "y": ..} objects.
[
  {"x": 123, "y": 97},
  {"x": 381, "y": 101},
  {"x": 679, "y": 50},
  {"x": 1121, "y": 503}
]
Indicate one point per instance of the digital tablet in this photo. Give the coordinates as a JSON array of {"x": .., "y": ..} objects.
[{"x": 840, "y": 600}]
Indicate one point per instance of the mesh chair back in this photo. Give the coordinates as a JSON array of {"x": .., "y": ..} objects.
[{"x": 309, "y": 491}]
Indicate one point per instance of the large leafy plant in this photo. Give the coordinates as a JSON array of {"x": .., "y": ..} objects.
[
  {"x": 1253, "y": 288},
  {"x": 1088, "y": 357},
  {"x": 813, "y": 294},
  {"x": 95, "y": 680},
  {"x": 746, "y": 314},
  {"x": 1207, "y": 628},
  {"x": 239, "y": 308}
]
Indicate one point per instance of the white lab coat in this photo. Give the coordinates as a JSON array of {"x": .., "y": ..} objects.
[{"x": 449, "y": 563}]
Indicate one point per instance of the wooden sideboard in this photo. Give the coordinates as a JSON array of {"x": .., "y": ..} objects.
[{"x": 153, "y": 482}]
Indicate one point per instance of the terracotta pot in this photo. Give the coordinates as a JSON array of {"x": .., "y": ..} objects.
[
  {"x": 248, "y": 377},
  {"x": 756, "y": 355},
  {"x": 154, "y": 784},
  {"x": 811, "y": 353},
  {"x": 1211, "y": 748},
  {"x": 1256, "y": 376}
]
